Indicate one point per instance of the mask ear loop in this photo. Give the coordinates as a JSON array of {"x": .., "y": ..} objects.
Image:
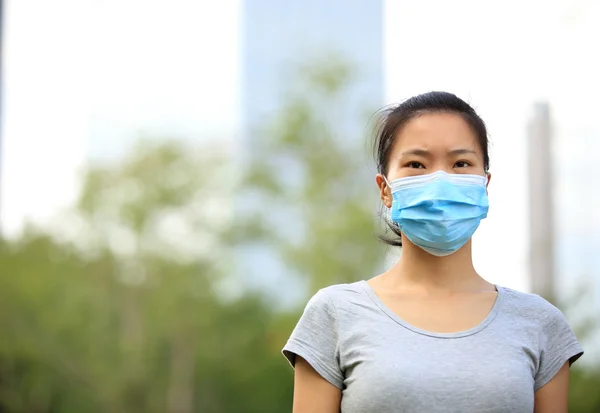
[
  {"x": 389, "y": 209},
  {"x": 386, "y": 181}
]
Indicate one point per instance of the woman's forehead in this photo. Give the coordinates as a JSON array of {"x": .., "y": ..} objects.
[{"x": 434, "y": 131}]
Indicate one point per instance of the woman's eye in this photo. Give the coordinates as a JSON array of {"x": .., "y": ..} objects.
[
  {"x": 462, "y": 164},
  {"x": 416, "y": 165}
]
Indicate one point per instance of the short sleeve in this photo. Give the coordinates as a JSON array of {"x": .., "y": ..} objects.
[
  {"x": 558, "y": 345},
  {"x": 315, "y": 339}
]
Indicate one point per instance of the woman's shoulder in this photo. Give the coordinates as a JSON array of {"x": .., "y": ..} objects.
[
  {"x": 342, "y": 291},
  {"x": 554, "y": 337},
  {"x": 531, "y": 306},
  {"x": 338, "y": 296}
]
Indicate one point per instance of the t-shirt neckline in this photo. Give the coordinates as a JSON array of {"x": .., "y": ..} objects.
[{"x": 484, "y": 323}]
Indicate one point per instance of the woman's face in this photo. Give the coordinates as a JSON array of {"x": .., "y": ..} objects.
[{"x": 433, "y": 142}]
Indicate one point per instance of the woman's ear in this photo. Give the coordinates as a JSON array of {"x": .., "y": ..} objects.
[{"x": 385, "y": 192}]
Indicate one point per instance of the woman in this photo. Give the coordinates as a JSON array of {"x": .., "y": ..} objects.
[{"x": 430, "y": 334}]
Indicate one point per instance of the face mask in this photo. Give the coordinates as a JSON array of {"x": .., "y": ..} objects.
[{"x": 439, "y": 212}]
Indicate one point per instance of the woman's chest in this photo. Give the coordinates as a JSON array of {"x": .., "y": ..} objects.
[
  {"x": 402, "y": 371},
  {"x": 459, "y": 312}
]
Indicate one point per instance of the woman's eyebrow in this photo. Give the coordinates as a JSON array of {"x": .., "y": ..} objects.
[{"x": 462, "y": 152}]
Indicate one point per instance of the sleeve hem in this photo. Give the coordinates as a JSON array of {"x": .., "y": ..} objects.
[
  {"x": 293, "y": 349},
  {"x": 569, "y": 354}
]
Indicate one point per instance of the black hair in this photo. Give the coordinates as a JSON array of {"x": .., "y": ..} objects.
[{"x": 393, "y": 118}]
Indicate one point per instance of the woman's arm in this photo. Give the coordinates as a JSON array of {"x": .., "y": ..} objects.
[
  {"x": 314, "y": 394},
  {"x": 553, "y": 397}
]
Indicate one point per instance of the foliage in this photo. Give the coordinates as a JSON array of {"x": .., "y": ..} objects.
[
  {"x": 127, "y": 318},
  {"x": 584, "y": 394},
  {"x": 311, "y": 175}
]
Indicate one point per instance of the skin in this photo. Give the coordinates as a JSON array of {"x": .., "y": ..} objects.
[{"x": 440, "y": 294}]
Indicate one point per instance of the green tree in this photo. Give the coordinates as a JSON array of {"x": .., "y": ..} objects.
[
  {"x": 126, "y": 317},
  {"x": 309, "y": 173}
]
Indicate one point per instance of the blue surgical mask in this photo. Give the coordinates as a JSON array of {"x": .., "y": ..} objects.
[{"x": 439, "y": 212}]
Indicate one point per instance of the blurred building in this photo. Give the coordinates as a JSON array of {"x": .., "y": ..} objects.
[
  {"x": 277, "y": 37},
  {"x": 541, "y": 202},
  {"x": 278, "y": 40},
  {"x": 564, "y": 223},
  {"x": 577, "y": 202}
]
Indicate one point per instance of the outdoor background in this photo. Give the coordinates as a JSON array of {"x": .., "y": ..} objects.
[{"x": 177, "y": 178}]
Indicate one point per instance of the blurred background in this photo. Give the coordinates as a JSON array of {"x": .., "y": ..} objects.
[{"x": 178, "y": 177}]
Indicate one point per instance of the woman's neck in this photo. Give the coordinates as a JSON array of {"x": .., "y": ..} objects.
[{"x": 420, "y": 269}]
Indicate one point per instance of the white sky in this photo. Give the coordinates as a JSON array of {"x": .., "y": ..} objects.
[
  {"x": 168, "y": 66},
  {"x": 84, "y": 76}
]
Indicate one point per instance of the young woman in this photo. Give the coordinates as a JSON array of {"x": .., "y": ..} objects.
[{"x": 430, "y": 334}]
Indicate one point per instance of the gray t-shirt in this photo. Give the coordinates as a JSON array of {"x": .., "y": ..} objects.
[{"x": 384, "y": 365}]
